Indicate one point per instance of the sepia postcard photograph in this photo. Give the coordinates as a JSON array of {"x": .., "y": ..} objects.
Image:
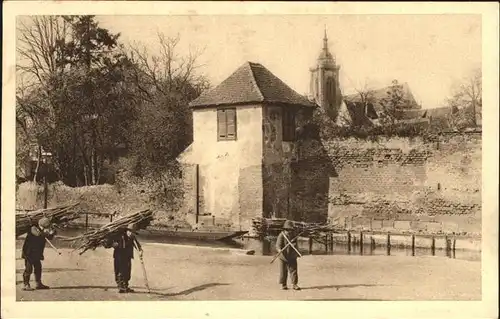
[{"x": 251, "y": 155}]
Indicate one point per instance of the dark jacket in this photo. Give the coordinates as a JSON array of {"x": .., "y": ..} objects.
[
  {"x": 289, "y": 253},
  {"x": 123, "y": 245},
  {"x": 34, "y": 244}
]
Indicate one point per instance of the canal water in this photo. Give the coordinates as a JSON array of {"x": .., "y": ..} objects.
[{"x": 267, "y": 247}]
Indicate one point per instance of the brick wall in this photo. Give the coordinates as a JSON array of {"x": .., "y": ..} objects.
[
  {"x": 408, "y": 184},
  {"x": 310, "y": 182},
  {"x": 276, "y": 165}
]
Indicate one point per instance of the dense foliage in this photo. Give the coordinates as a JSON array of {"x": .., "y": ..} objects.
[{"x": 88, "y": 100}]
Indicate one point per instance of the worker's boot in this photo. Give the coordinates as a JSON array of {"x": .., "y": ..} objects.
[
  {"x": 26, "y": 282},
  {"x": 125, "y": 286},
  {"x": 40, "y": 286},
  {"x": 121, "y": 288},
  {"x": 27, "y": 287},
  {"x": 38, "y": 280}
]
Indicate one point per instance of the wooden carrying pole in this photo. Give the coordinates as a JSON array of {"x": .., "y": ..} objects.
[
  {"x": 144, "y": 272},
  {"x": 290, "y": 243},
  {"x": 282, "y": 249},
  {"x": 141, "y": 258},
  {"x": 51, "y": 245}
]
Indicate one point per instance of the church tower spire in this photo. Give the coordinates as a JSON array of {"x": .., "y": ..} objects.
[
  {"x": 324, "y": 84},
  {"x": 325, "y": 41}
]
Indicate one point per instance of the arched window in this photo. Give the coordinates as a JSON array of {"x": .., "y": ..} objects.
[{"x": 330, "y": 91}]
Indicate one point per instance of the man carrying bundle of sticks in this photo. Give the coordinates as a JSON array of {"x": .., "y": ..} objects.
[
  {"x": 33, "y": 248},
  {"x": 124, "y": 244},
  {"x": 287, "y": 245}
]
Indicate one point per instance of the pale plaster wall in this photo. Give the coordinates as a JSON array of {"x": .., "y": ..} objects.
[{"x": 230, "y": 171}]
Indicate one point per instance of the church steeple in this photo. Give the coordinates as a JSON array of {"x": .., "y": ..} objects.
[
  {"x": 325, "y": 57},
  {"x": 325, "y": 41},
  {"x": 324, "y": 85}
]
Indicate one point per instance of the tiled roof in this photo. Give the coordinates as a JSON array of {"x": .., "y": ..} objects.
[
  {"x": 357, "y": 113},
  {"x": 380, "y": 94},
  {"x": 251, "y": 83}
]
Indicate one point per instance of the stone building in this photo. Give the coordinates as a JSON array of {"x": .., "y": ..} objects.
[
  {"x": 254, "y": 154},
  {"x": 353, "y": 110},
  {"x": 239, "y": 164},
  {"x": 324, "y": 83}
]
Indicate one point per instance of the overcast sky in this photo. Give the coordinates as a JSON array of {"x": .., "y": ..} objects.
[{"x": 430, "y": 52}]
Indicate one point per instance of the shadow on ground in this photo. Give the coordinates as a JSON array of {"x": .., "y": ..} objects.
[
  {"x": 195, "y": 289},
  {"x": 338, "y": 286},
  {"x": 153, "y": 292},
  {"x": 48, "y": 270}
]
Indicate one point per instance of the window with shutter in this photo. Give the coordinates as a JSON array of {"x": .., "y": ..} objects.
[
  {"x": 226, "y": 124},
  {"x": 231, "y": 123},
  {"x": 221, "y": 123}
]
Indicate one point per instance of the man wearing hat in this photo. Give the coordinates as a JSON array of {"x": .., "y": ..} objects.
[
  {"x": 288, "y": 257},
  {"x": 123, "y": 254},
  {"x": 33, "y": 248}
]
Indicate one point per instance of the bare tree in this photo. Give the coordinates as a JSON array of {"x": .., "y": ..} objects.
[
  {"x": 366, "y": 95},
  {"x": 75, "y": 91},
  {"x": 166, "y": 82},
  {"x": 38, "y": 50},
  {"x": 167, "y": 72},
  {"x": 466, "y": 101},
  {"x": 38, "y": 47}
]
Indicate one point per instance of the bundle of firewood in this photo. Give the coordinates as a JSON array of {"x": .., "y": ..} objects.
[
  {"x": 95, "y": 238},
  {"x": 272, "y": 226},
  {"x": 57, "y": 215},
  {"x": 267, "y": 226}
]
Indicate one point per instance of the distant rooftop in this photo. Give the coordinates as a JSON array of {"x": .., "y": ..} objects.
[
  {"x": 380, "y": 94},
  {"x": 251, "y": 83}
]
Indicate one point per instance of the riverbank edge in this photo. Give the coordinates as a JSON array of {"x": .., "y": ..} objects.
[
  {"x": 376, "y": 238},
  {"x": 455, "y": 242}
]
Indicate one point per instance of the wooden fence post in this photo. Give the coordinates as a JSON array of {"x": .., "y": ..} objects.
[
  {"x": 433, "y": 246},
  {"x": 388, "y": 244},
  {"x": 454, "y": 246},
  {"x": 413, "y": 244},
  {"x": 447, "y": 246},
  {"x": 349, "y": 241},
  {"x": 361, "y": 242}
]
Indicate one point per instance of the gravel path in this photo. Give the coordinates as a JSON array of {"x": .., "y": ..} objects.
[{"x": 186, "y": 273}]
